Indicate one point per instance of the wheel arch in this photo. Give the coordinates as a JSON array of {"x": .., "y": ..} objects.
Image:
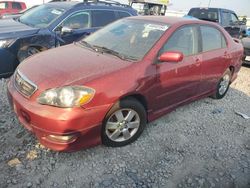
[
  {"x": 232, "y": 69},
  {"x": 140, "y": 98}
]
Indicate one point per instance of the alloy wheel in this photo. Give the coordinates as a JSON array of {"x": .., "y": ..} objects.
[
  {"x": 122, "y": 125},
  {"x": 224, "y": 84}
]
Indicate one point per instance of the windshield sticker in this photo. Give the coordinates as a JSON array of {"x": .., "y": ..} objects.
[
  {"x": 57, "y": 12},
  {"x": 157, "y": 27},
  {"x": 153, "y": 28}
]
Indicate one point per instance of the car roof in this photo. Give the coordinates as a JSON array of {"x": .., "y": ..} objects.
[
  {"x": 170, "y": 20},
  {"x": 75, "y": 4},
  {"x": 64, "y": 5},
  {"x": 211, "y": 8}
]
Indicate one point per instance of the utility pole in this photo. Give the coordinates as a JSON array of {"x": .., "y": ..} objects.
[{"x": 209, "y": 3}]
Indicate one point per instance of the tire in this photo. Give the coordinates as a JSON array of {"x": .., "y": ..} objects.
[
  {"x": 124, "y": 123},
  {"x": 23, "y": 54},
  {"x": 223, "y": 85}
]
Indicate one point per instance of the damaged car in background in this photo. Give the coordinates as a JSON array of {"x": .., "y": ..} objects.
[
  {"x": 226, "y": 18},
  {"x": 246, "y": 45},
  {"x": 106, "y": 87},
  {"x": 11, "y": 7},
  {"x": 52, "y": 25}
]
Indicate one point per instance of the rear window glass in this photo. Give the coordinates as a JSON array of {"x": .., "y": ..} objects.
[
  {"x": 123, "y": 14},
  {"x": 212, "y": 39},
  {"x": 205, "y": 14},
  {"x": 3, "y": 5},
  {"x": 102, "y": 17}
]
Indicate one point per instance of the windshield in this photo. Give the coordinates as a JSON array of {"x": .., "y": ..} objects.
[
  {"x": 41, "y": 16},
  {"x": 128, "y": 38}
]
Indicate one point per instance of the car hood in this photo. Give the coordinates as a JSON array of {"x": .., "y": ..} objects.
[
  {"x": 10, "y": 28},
  {"x": 67, "y": 65}
]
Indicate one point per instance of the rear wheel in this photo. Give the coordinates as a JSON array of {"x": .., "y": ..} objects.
[
  {"x": 223, "y": 85},
  {"x": 124, "y": 123}
]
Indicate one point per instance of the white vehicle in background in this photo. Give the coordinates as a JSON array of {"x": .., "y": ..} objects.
[{"x": 150, "y": 7}]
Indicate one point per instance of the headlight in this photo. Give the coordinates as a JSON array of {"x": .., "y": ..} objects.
[
  {"x": 6, "y": 43},
  {"x": 67, "y": 97}
]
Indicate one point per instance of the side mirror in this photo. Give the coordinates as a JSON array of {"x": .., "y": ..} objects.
[
  {"x": 66, "y": 30},
  {"x": 174, "y": 57}
]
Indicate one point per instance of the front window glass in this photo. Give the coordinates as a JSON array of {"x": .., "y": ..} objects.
[
  {"x": 41, "y": 16},
  {"x": 184, "y": 40},
  {"x": 3, "y": 5},
  {"x": 234, "y": 18},
  {"x": 130, "y": 38},
  {"x": 79, "y": 20}
]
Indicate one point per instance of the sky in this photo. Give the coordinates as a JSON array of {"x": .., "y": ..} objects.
[{"x": 241, "y": 7}]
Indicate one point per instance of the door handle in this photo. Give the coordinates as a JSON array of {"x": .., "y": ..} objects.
[
  {"x": 225, "y": 54},
  {"x": 197, "y": 62}
]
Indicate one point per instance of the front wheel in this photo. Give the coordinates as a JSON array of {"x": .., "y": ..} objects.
[
  {"x": 223, "y": 85},
  {"x": 23, "y": 54},
  {"x": 124, "y": 123}
]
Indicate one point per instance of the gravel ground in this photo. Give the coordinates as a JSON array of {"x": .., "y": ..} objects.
[{"x": 203, "y": 144}]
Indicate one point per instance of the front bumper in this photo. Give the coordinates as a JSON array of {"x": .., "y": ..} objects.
[
  {"x": 83, "y": 124},
  {"x": 246, "y": 58},
  {"x": 8, "y": 62}
]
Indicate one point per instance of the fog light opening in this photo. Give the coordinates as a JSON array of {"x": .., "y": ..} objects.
[
  {"x": 62, "y": 139},
  {"x": 25, "y": 116}
]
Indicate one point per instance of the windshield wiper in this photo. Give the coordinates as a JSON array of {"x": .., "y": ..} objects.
[
  {"x": 103, "y": 49},
  {"x": 86, "y": 44}
]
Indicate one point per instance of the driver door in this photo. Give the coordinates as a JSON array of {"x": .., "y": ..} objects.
[
  {"x": 231, "y": 23},
  {"x": 74, "y": 27}
]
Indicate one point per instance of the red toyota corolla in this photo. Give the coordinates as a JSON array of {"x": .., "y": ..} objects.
[{"x": 105, "y": 88}]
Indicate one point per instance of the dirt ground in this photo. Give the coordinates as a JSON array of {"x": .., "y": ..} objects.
[{"x": 203, "y": 144}]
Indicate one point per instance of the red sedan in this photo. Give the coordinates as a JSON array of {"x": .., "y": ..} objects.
[
  {"x": 10, "y": 7},
  {"x": 105, "y": 88}
]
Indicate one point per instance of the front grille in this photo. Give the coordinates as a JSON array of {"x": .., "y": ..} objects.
[{"x": 24, "y": 85}]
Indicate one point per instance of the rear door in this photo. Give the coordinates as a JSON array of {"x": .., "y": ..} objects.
[
  {"x": 178, "y": 82},
  {"x": 215, "y": 57},
  {"x": 100, "y": 18}
]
